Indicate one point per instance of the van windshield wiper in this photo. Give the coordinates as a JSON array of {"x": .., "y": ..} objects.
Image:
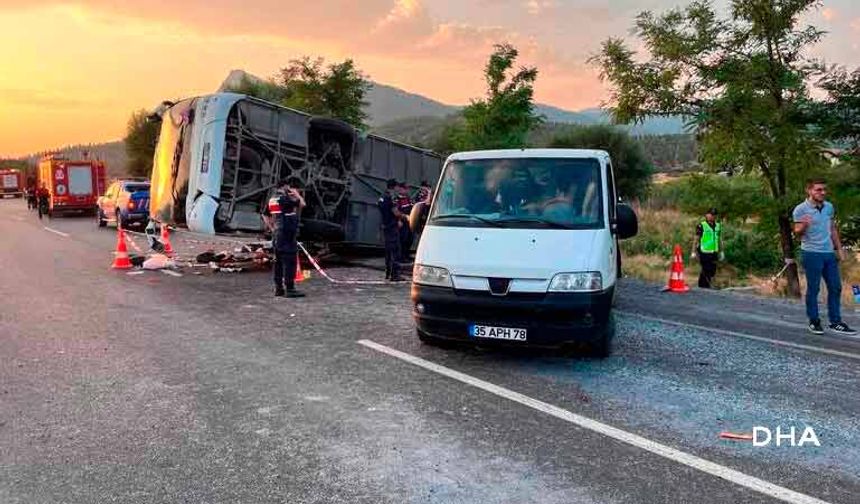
[
  {"x": 491, "y": 222},
  {"x": 535, "y": 220}
]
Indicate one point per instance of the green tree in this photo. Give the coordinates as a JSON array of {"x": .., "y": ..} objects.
[
  {"x": 140, "y": 139},
  {"x": 632, "y": 169},
  {"x": 336, "y": 91},
  {"x": 743, "y": 81},
  {"x": 840, "y": 113},
  {"x": 505, "y": 117}
]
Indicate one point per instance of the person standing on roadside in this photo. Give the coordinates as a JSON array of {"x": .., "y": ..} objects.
[
  {"x": 282, "y": 217},
  {"x": 392, "y": 220},
  {"x": 821, "y": 251},
  {"x": 708, "y": 247},
  {"x": 42, "y": 201}
]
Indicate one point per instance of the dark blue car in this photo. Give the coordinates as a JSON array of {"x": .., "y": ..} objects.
[{"x": 125, "y": 203}]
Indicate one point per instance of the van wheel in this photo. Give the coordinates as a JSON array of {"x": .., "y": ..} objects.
[{"x": 601, "y": 348}]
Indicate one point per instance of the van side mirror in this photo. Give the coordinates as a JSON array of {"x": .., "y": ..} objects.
[
  {"x": 418, "y": 216},
  {"x": 626, "y": 222}
]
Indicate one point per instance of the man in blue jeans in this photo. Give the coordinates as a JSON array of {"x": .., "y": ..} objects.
[{"x": 821, "y": 251}]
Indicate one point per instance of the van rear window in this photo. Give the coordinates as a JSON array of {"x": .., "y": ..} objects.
[{"x": 132, "y": 188}]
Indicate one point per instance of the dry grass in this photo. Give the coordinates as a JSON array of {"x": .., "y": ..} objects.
[
  {"x": 661, "y": 229},
  {"x": 850, "y": 276}
]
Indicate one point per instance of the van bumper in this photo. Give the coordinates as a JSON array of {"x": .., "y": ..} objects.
[{"x": 551, "y": 319}]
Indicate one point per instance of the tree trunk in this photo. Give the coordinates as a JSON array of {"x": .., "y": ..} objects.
[{"x": 787, "y": 242}]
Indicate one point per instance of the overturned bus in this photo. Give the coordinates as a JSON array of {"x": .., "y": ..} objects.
[{"x": 219, "y": 158}]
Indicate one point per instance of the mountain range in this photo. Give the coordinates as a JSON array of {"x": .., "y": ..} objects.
[
  {"x": 397, "y": 114},
  {"x": 388, "y": 105}
]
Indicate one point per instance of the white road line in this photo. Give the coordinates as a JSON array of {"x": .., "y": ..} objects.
[
  {"x": 171, "y": 273},
  {"x": 725, "y": 332},
  {"x": 708, "y": 467},
  {"x": 64, "y": 235}
]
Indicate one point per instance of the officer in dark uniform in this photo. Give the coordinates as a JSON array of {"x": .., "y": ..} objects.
[
  {"x": 392, "y": 220},
  {"x": 42, "y": 201},
  {"x": 283, "y": 219}
]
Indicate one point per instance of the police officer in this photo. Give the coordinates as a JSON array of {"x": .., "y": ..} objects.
[
  {"x": 42, "y": 196},
  {"x": 283, "y": 219},
  {"x": 708, "y": 246},
  {"x": 392, "y": 221}
]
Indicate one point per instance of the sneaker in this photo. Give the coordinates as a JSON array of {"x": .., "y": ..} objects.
[
  {"x": 279, "y": 292},
  {"x": 397, "y": 279},
  {"x": 815, "y": 327},
  {"x": 295, "y": 294},
  {"x": 842, "y": 328}
]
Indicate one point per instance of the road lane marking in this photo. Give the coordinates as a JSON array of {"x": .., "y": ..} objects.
[
  {"x": 171, "y": 273},
  {"x": 762, "y": 339},
  {"x": 705, "y": 466},
  {"x": 64, "y": 235}
]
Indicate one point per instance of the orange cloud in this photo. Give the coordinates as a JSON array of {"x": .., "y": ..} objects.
[{"x": 74, "y": 69}]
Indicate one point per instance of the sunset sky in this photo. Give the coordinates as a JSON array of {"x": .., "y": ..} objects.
[{"x": 71, "y": 72}]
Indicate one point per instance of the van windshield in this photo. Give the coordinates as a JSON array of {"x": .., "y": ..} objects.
[{"x": 558, "y": 193}]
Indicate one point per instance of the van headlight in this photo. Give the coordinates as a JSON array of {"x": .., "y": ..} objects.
[
  {"x": 431, "y": 275},
  {"x": 589, "y": 281}
]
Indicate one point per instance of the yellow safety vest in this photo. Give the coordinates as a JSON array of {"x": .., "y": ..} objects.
[{"x": 710, "y": 241}]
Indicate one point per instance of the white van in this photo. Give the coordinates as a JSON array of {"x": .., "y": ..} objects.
[{"x": 521, "y": 247}]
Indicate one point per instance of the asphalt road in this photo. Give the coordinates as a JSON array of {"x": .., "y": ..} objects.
[{"x": 205, "y": 389}]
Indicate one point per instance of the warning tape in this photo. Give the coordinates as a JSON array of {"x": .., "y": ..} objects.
[
  {"x": 133, "y": 244},
  {"x": 244, "y": 244},
  {"x": 328, "y": 277}
]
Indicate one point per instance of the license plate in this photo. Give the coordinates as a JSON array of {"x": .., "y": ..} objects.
[{"x": 492, "y": 332}]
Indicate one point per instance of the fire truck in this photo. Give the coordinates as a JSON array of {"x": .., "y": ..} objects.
[
  {"x": 11, "y": 183},
  {"x": 72, "y": 185}
]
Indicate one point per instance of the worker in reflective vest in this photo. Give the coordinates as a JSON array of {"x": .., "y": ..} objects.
[{"x": 708, "y": 247}]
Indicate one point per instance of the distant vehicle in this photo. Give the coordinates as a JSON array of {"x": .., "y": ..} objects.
[
  {"x": 72, "y": 185},
  {"x": 125, "y": 203},
  {"x": 521, "y": 247},
  {"x": 220, "y": 156},
  {"x": 11, "y": 183}
]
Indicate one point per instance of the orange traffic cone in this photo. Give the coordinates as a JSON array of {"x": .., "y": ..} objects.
[
  {"x": 165, "y": 240},
  {"x": 676, "y": 273},
  {"x": 121, "y": 260},
  {"x": 300, "y": 277}
]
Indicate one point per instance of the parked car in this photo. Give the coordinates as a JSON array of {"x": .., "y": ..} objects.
[{"x": 125, "y": 203}]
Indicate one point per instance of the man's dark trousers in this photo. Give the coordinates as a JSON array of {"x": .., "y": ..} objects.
[
  {"x": 285, "y": 269},
  {"x": 709, "y": 269},
  {"x": 392, "y": 253},
  {"x": 818, "y": 265}
]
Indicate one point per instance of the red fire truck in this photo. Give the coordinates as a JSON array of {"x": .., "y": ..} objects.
[
  {"x": 73, "y": 186},
  {"x": 11, "y": 183}
]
